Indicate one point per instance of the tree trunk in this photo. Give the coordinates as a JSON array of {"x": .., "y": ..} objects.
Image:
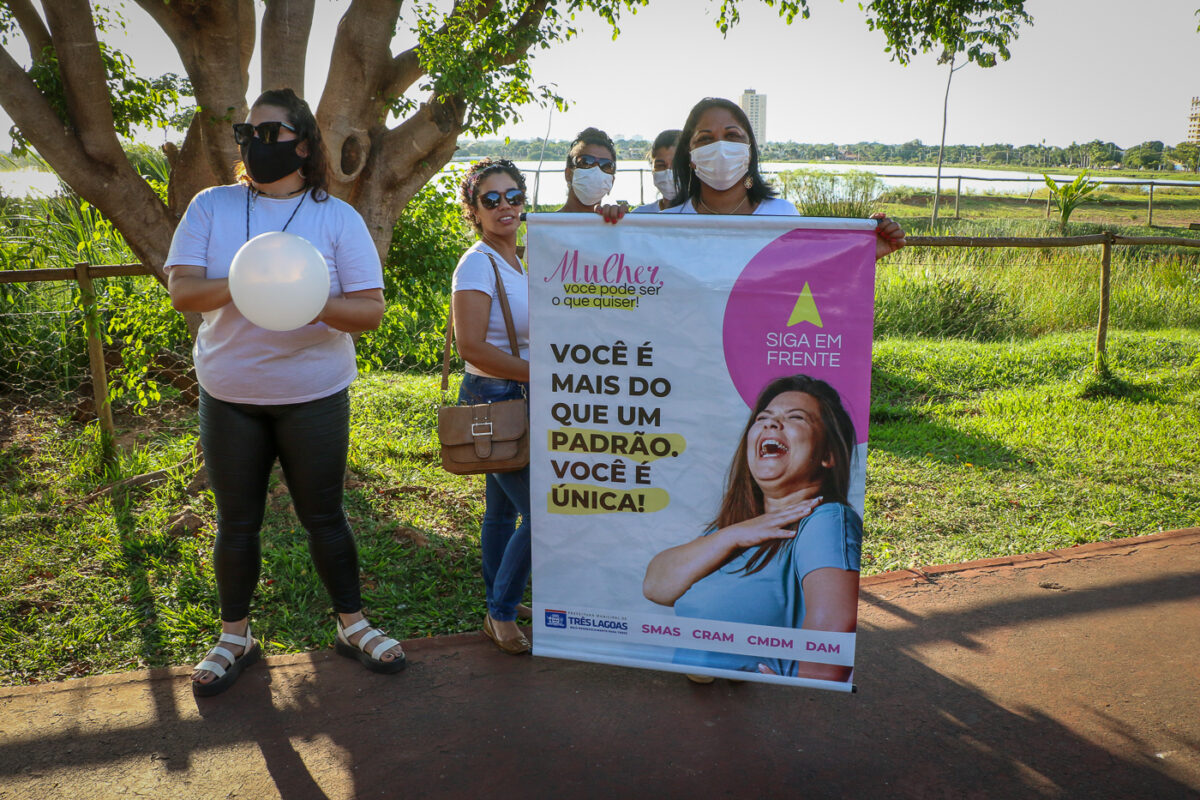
[{"x": 283, "y": 51}]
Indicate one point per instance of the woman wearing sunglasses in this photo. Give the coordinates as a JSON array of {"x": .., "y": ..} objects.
[
  {"x": 492, "y": 196},
  {"x": 716, "y": 172},
  {"x": 591, "y": 169},
  {"x": 268, "y": 395}
]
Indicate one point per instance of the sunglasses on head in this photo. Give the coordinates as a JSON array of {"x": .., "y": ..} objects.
[
  {"x": 514, "y": 197},
  {"x": 583, "y": 161},
  {"x": 268, "y": 132}
]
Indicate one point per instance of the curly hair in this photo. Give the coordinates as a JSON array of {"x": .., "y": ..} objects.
[{"x": 468, "y": 190}]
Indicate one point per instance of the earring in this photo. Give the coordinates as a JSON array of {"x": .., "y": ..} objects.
[{"x": 748, "y": 183}]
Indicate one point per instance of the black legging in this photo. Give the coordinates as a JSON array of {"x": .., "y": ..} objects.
[{"x": 241, "y": 442}]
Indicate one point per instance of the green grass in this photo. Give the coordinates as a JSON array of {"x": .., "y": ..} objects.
[{"x": 978, "y": 449}]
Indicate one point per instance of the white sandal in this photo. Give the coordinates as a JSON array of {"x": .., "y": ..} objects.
[
  {"x": 371, "y": 659},
  {"x": 226, "y": 676}
]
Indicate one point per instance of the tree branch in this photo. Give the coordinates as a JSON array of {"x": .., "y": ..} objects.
[
  {"x": 406, "y": 67},
  {"x": 355, "y": 97},
  {"x": 32, "y": 115},
  {"x": 84, "y": 78},
  {"x": 31, "y": 26},
  {"x": 110, "y": 184},
  {"x": 285, "y": 29},
  {"x": 215, "y": 40}
]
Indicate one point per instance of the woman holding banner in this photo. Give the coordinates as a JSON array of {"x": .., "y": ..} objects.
[
  {"x": 591, "y": 170},
  {"x": 492, "y": 195},
  {"x": 268, "y": 395},
  {"x": 717, "y": 172},
  {"x": 785, "y": 546}
]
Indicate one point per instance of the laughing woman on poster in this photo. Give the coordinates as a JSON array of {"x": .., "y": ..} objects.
[
  {"x": 784, "y": 549},
  {"x": 492, "y": 195}
]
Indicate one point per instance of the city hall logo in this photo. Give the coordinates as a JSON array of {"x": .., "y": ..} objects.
[{"x": 556, "y": 619}]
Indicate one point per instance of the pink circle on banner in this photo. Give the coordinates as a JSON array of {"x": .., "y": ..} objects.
[{"x": 806, "y": 304}]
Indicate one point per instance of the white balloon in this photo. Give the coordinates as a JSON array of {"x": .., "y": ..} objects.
[{"x": 279, "y": 281}]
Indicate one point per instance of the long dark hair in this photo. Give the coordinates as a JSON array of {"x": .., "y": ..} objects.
[
  {"x": 315, "y": 169},
  {"x": 743, "y": 497},
  {"x": 468, "y": 190},
  {"x": 687, "y": 185}
]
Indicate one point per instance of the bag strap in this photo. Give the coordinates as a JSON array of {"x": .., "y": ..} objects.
[{"x": 508, "y": 324}]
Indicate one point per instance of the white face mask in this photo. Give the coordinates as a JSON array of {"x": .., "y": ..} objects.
[
  {"x": 664, "y": 181},
  {"x": 590, "y": 185},
  {"x": 721, "y": 164}
]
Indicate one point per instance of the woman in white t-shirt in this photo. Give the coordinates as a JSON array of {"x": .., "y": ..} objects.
[
  {"x": 716, "y": 171},
  {"x": 492, "y": 196},
  {"x": 267, "y": 395}
]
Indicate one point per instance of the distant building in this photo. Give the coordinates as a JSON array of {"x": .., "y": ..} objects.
[
  {"x": 1194, "y": 122},
  {"x": 755, "y": 106}
]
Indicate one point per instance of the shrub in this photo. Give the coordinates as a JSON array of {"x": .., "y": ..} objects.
[
  {"x": 426, "y": 244},
  {"x": 818, "y": 193}
]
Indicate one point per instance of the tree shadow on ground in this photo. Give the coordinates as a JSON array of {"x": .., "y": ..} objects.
[{"x": 467, "y": 720}]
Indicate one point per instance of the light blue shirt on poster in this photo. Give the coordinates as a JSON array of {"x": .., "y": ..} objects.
[{"x": 829, "y": 537}]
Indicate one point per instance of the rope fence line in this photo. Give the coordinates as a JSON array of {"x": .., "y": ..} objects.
[{"x": 87, "y": 315}]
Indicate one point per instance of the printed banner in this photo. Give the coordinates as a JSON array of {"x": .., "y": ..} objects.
[{"x": 697, "y": 383}]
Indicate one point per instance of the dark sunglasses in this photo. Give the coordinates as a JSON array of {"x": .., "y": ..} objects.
[
  {"x": 583, "y": 161},
  {"x": 514, "y": 197},
  {"x": 268, "y": 132}
]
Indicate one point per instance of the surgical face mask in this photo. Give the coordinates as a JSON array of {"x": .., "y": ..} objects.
[
  {"x": 721, "y": 164},
  {"x": 267, "y": 163},
  {"x": 664, "y": 181},
  {"x": 590, "y": 185}
]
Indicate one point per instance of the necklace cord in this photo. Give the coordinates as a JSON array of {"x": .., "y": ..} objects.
[{"x": 250, "y": 191}]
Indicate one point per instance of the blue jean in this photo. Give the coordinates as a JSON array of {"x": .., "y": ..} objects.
[
  {"x": 241, "y": 443},
  {"x": 503, "y": 542}
]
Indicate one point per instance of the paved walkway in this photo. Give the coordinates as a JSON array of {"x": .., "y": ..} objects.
[{"x": 1071, "y": 674}]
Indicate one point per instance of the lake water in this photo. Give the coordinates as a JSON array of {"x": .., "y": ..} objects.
[
  {"x": 28, "y": 182},
  {"x": 634, "y": 181}
]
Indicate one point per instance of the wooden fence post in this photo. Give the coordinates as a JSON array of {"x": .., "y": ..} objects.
[
  {"x": 95, "y": 344},
  {"x": 1100, "y": 366},
  {"x": 1150, "y": 208},
  {"x": 957, "y": 195}
]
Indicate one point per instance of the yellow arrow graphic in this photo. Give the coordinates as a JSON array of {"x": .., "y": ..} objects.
[{"x": 805, "y": 310}]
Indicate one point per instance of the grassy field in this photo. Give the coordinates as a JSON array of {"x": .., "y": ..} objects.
[
  {"x": 977, "y": 449},
  {"x": 989, "y": 436}
]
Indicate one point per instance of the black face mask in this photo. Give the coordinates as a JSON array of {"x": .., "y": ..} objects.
[{"x": 267, "y": 163}]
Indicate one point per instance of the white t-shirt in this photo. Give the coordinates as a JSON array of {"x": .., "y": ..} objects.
[
  {"x": 649, "y": 208},
  {"x": 773, "y": 206},
  {"x": 239, "y": 362},
  {"x": 474, "y": 273}
]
